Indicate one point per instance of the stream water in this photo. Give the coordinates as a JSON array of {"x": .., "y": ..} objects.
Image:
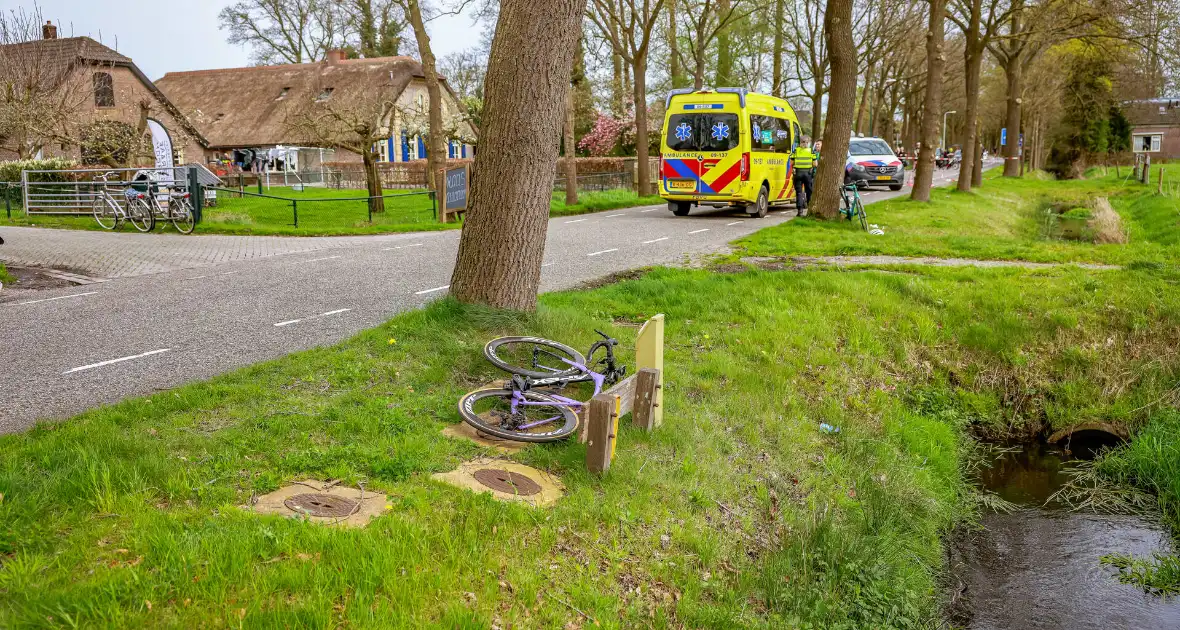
[{"x": 1038, "y": 567}]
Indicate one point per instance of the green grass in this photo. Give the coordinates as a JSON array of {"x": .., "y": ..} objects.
[
  {"x": 1002, "y": 220},
  {"x": 341, "y": 215},
  {"x": 598, "y": 201},
  {"x": 5, "y": 278},
  {"x": 737, "y": 512}
]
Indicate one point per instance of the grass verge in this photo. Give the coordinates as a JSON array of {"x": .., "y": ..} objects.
[
  {"x": 738, "y": 512},
  {"x": 330, "y": 212},
  {"x": 1002, "y": 220}
]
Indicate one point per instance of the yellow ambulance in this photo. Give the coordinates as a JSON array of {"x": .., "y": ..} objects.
[{"x": 727, "y": 147}]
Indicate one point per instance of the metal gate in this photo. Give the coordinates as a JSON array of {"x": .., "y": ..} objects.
[{"x": 75, "y": 191}]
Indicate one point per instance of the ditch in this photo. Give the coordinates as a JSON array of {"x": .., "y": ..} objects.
[{"x": 1038, "y": 565}]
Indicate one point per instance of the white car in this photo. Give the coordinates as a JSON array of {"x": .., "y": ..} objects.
[{"x": 871, "y": 162}]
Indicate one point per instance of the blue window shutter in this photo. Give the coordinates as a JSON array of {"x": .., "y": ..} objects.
[
  {"x": 450, "y": 149},
  {"x": 463, "y": 150},
  {"x": 421, "y": 147},
  {"x": 389, "y": 154},
  {"x": 405, "y": 147}
]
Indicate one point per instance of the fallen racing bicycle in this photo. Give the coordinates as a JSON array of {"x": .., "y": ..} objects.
[{"x": 530, "y": 407}]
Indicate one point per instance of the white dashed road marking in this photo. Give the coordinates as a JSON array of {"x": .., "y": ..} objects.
[
  {"x": 297, "y": 262},
  {"x": 389, "y": 249},
  {"x": 735, "y": 223},
  {"x": 60, "y": 297},
  {"x": 119, "y": 360},
  {"x": 548, "y": 264},
  {"x": 210, "y": 275},
  {"x": 650, "y": 210},
  {"x": 655, "y": 240},
  {"x": 296, "y": 321},
  {"x": 605, "y": 251},
  {"x": 445, "y": 286},
  {"x": 576, "y": 221},
  {"x": 622, "y": 214},
  {"x": 699, "y": 231}
]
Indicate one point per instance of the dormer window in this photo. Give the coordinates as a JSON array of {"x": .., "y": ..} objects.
[
  {"x": 325, "y": 95},
  {"x": 283, "y": 94},
  {"x": 104, "y": 90}
]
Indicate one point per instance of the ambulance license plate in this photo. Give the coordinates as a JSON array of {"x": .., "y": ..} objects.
[{"x": 682, "y": 185}]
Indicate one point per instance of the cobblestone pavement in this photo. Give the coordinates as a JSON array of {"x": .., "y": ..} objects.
[{"x": 106, "y": 255}]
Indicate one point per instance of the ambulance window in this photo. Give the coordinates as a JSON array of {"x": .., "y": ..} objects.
[
  {"x": 797, "y": 135},
  {"x": 702, "y": 132},
  {"x": 782, "y": 136},
  {"x": 764, "y": 132}
]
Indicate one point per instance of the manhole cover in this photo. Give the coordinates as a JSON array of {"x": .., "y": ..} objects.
[
  {"x": 317, "y": 504},
  {"x": 507, "y": 481}
]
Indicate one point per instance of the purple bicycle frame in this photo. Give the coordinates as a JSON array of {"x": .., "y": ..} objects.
[{"x": 518, "y": 399}]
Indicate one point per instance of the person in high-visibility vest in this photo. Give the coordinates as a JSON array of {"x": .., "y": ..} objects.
[{"x": 803, "y": 159}]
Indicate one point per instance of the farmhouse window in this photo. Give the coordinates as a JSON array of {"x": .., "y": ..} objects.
[{"x": 104, "y": 90}]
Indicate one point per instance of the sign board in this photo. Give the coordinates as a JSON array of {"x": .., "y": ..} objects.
[
  {"x": 1004, "y": 136},
  {"x": 456, "y": 185}
]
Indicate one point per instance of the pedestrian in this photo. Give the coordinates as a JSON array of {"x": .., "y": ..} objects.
[{"x": 803, "y": 159}]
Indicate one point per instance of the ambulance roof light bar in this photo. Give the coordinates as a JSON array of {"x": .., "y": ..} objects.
[{"x": 741, "y": 93}]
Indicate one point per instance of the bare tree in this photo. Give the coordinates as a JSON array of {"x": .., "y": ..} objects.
[
  {"x": 353, "y": 119},
  {"x": 436, "y": 144},
  {"x": 978, "y": 20},
  {"x": 577, "y": 76},
  {"x": 378, "y": 26},
  {"x": 284, "y": 31},
  {"x": 704, "y": 21},
  {"x": 809, "y": 49},
  {"x": 464, "y": 71},
  {"x": 503, "y": 239},
  {"x": 776, "y": 81},
  {"x": 629, "y": 25},
  {"x": 932, "y": 102},
  {"x": 838, "y": 126},
  {"x": 40, "y": 93}
]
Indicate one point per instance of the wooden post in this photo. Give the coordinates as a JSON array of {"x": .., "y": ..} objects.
[
  {"x": 649, "y": 353},
  {"x": 1159, "y": 184},
  {"x": 603, "y": 427},
  {"x": 647, "y": 384}
]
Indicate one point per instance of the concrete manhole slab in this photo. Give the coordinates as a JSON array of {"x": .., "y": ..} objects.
[
  {"x": 323, "y": 502},
  {"x": 507, "y": 481},
  {"x": 464, "y": 431}
]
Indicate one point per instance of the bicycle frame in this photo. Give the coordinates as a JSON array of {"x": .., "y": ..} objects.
[{"x": 518, "y": 399}]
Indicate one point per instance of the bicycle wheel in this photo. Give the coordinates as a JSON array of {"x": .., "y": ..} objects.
[
  {"x": 104, "y": 214},
  {"x": 182, "y": 215},
  {"x": 538, "y": 418},
  {"x": 860, "y": 211},
  {"x": 533, "y": 356},
  {"x": 140, "y": 215}
]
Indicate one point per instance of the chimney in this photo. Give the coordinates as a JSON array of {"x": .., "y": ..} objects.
[
  {"x": 49, "y": 31},
  {"x": 334, "y": 56}
]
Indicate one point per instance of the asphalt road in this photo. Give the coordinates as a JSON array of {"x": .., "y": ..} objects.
[{"x": 67, "y": 350}]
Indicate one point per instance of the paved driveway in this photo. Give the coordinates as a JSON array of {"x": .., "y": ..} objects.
[{"x": 177, "y": 309}]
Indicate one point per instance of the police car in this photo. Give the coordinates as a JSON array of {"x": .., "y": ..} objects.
[{"x": 872, "y": 163}]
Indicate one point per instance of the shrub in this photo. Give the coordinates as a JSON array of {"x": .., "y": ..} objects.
[
  {"x": 1077, "y": 213},
  {"x": 10, "y": 171}
]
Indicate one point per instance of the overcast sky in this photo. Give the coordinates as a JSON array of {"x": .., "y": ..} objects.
[{"x": 171, "y": 35}]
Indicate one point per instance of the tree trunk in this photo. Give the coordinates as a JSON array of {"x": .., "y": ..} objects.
[
  {"x": 776, "y": 75},
  {"x": 841, "y": 100},
  {"x": 817, "y": 102},
  {"x": 977, "y": 165},
  {"x": 571, "y": 162},
  {"x": 698, "y": 73},
  {"x": 1012, "y": 72},
  {"x": 973, "y": 61},
  {"x": 864, "y": 98},
  {"x": 436, "y": 144},
  {"x": 503, "y": 241},
  {"x": 932, "y": 105},
  {"x": 641, "y": 137},
  {"x": 724, "y": 76},
  {"x": 674, "y": 70},
  {"x": 616, "y": 85},
  {"x": 373, "y": 182}
]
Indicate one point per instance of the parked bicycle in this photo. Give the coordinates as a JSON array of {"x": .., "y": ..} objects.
[
  {"x": 179, "y": 209},
  {"x": 529, "y": 408},
  {"x": 110, "y": 214},
  {"x": 851, "y": 206}
]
